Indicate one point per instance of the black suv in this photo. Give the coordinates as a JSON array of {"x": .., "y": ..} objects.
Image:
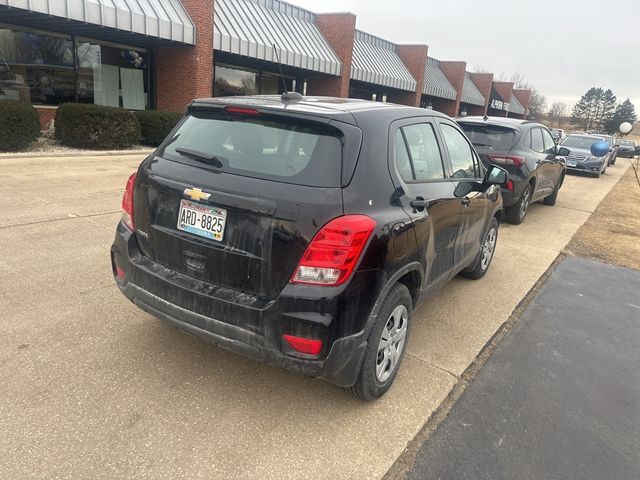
[
  {"x": 302, "y": 231},
  {"x": 528, "y": 152}
]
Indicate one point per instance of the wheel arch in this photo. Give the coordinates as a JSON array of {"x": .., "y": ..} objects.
[{"x": 410, "y": 275}]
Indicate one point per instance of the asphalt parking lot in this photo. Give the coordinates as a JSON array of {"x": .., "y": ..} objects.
[{"x": 93, "y": 387}]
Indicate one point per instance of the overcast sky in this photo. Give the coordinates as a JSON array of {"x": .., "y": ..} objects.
[{"x": 562, "y": 47}]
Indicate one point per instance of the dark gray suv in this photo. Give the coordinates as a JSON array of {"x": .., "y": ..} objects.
[{"x": 528, "y": 152}]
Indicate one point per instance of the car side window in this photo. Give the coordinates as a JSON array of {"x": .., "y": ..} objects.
[
  {"x": 463, "y": 160},
  {"x": 402, "y": 158},
  {"x": 549, "y": 143},
  {"x": 422, "y": 151},
  {"x": 537, "y": 144}
]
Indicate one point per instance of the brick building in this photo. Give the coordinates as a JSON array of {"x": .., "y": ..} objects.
[{"x": 160, "y": 54}]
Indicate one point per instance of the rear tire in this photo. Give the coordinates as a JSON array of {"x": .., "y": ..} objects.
[
  {"x": 386, "y": 345},
  {"x": 515, "y": 214},
  {"x": 551, "y": 199},
  {"x": 486, "y": 253}
]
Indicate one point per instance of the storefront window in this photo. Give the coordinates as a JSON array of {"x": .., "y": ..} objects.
[
  {"x": 367, "y": 94},
  {"x": 36, "y": 67},
  {"x": 233, "y": 80},
  {"x": 39, "y": 68},
  {"x": 112, "y": 76}
]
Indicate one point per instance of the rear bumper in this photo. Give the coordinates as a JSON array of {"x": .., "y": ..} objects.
[{"x": 250, "y": 326}]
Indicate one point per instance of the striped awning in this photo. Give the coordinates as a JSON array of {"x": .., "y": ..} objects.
[
  {"x": 515, "y": 106},
  {"x": 162, "y": 19},
  {"x": 252, "y": 27},
  {"x": 435, "y": 81},
  {"x": 470, "y": 93},
  {"x": 376, "y": 61}
]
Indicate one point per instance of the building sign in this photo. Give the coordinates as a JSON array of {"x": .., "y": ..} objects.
[{"x": 499, "y": 105}]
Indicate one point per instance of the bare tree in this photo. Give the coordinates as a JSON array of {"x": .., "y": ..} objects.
[
  {"x": 558, "y": 111},
  {"x": 537, "y": 105},
  {"x": 519, "y": 81}
]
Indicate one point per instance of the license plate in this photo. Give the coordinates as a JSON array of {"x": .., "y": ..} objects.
[
  {"x": 203, "y": 220},
  {"x": 571, "y": 164}
]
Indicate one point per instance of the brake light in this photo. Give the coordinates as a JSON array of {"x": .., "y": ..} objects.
[
  {"x": 515, "y": 160},
  {"x": 333, "y": 253},
  {"x": 309, "y": 346},
  {"x": 242, "y": 111},
  {"x": 127, "y": 202}
]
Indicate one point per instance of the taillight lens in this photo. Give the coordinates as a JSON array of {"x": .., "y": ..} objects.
[
  {"x": 515, "y": 160},
  {"x": 334, "y": 252},
  {"x": 127, "y": 203}
]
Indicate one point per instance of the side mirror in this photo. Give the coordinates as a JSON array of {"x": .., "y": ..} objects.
[
  {"x": 496, "y": 176},
  {"x": 600, "y": 148},
  {"x": 563, "y": 152}
]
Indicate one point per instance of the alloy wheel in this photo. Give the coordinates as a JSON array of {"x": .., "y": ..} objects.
[
  {"x": 524, "y": 204},
  {"x": 391, "y": 343},
  {"x": 488, "y": 248}
]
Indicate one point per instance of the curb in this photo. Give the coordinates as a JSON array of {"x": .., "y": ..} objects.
[{"x": 89, "y": 153}]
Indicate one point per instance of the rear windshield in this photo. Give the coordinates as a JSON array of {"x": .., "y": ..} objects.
[
  {"x": 490, "y": 136},
  {"x": 580, "y": 142},
  {"x": 607, "y": 139},
  {"x": 627, "y": 143},
  {"x": 266, "y": 146}
]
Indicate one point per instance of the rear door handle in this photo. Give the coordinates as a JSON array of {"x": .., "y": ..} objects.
[{"x": 419, "y": 203}]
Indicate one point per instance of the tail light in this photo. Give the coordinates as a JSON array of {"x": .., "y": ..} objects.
[
  {"x": 515, "y": 160},
  {"x": 127, "y": 203},
  {"x": 334, "y": 252},
  {"x": 309, "y": 346}
]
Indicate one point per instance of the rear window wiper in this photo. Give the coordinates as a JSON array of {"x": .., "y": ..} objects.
[{"x": 201, "y": 156}]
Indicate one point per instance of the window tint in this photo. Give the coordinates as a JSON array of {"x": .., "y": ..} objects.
[
  {"x": 489, "y": 136},
  {"x": 423, "y": 153},
  {"x": 460, "y": 153},
  {"x": 268, "y": 147},
  {"x": 537, "y": 144},
  {"x": 549, "y": 143}
]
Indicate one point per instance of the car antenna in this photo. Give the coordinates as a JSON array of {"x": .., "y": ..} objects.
[
  {"x": 486, "y": 117},
  {"x": 286, "y": 96}
]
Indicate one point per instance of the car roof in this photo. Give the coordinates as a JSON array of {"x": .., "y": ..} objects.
[
  {"x": 584, "y": 135},
  {"x": 333, "y": 107},
  {"x": 502, "y": 121}
]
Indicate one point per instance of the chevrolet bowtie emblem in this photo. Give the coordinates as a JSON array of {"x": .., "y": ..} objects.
[{"x": 196, "y": 194}]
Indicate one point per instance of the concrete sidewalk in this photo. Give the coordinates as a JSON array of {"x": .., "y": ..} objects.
[
  {"x": 94, "y": 387},
  {"x": 560, "y": 396}
]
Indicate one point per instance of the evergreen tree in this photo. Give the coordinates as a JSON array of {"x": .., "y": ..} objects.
[
  {"x": 625, "y": 112},
  {"x": 594, "y": 108}
]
